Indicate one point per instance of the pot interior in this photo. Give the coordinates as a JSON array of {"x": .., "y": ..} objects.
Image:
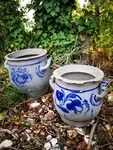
[
  {"x": 77, "y": 76},
  {"x": 26, "y": 54}
]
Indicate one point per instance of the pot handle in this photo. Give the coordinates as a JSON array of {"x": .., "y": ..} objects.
[
  {"x": 103, "y": 89},
  {"x": 43, "y": 68},
  {"x": 52, "y": 82},
  {"x": 6, "y": 64}
]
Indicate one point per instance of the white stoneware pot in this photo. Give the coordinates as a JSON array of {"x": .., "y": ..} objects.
[
  {"x": 78, "y": 93},
  {"x": 29, "y": 70}
]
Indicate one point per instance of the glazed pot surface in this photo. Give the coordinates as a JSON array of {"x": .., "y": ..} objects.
[
  {"x": 78, "y": 92},
  {"x": 29, "y": 70}
]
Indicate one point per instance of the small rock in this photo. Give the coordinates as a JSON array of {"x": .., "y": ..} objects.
[
  {"x": 81, "y": 131},
  {"x": 28, "y": 137},
  {"x": 6, "y": 144},
  {"x": 49, "y": 116},
  {"x": 28, "y": 131},
  {"x": 71, "y": 134},
  {"x": 35, "y": 104},
  {"x": 86, "y": 139},
  {"x": 47, "y": 145},
  {"x": 44, "y": 99},
  {"x": 57, "y": 147},
  {"x": 31, "y": 120},
  {"x": 54, "y": 141},
  {"x": 49, "y": 137},
  {"x": 108, "y": 127},
  {"x": 110, "y": 97}
]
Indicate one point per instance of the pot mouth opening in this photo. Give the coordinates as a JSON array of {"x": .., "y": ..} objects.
[
  {"x": 26, "y": 54},
  {"x": 78, "y": 74}
]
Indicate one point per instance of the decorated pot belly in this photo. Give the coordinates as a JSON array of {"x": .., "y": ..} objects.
[
  {"x": 78, "y": 93},
  {"x": 29, "y": 70}
]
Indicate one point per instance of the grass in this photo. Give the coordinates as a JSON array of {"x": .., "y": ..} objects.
[{"x": 9, "y": 95}]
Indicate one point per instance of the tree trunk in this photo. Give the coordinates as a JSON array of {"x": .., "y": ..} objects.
[{"x": 86, "y": 51}]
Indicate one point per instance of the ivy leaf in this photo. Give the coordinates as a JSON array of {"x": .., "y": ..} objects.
[
  {"x": 80, "y": 22},
  {"x": 26, "y": 124},
  {"x": 81, "y": 28},
  {"x": 53, "y": 13},
  {"x": 57, "y": 9}
]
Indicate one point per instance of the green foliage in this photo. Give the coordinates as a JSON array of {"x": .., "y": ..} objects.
[
  {"x": 10, "y": 97},
  {"x": 86, "y": 21},
  {"x": 97, "y": 20},
  {"x": 104, "y": 40},
  {"x": 12, "y": 31},
  {"x": 54, "y": 28}
]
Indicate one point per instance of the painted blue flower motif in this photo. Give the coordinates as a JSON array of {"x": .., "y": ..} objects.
[
  {"x": 94, "y": 100},
  {"x": 39, "y": 73},
  {"x": 20, "y": 76},
  {"x": 59, "y": 95},
  {"x": 71, "y": 102}
]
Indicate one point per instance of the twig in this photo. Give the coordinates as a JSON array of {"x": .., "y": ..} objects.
[
  {"x": 9, "y": 132},
  {"x": 105, "y": 120},
  {"x": 13, "y": 148},
  {"x": 91, "y": 135},
  {"x": 104, "y": 145}
]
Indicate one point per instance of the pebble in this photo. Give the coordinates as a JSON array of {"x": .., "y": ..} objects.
[
  {"x": 47, "y": 146},
  {"x": 6, "y": 144},
  {"x": 86, "y": 139},
  {"x": 54, "y": 141},
  {"x": 28, "y": 131},
  {"x": 31, "y": 120},
  {"x": 56, "y": 147},
  {"x": 49, "y": 137},
  {"x": 49, "y": 116},
  {"x": 35, "y": 104},
  {"x": 81, "y": 131}
]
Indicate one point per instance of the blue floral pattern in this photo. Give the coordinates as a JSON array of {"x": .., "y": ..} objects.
[
  {"x": 20, "y": 76},
  {"x": 39, "y": 73},
  {"x": 73, "y": 102},
  {"x": 94, "y": 100}
]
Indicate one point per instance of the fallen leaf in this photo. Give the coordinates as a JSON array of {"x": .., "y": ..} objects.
[
  {"x": 71, "y": 134},
  {"x": 110, "y": 97},
  {"x": 2, "y": 115},
  {"x": 42, "y": 133},
  {"x": 81, "y": 146}
]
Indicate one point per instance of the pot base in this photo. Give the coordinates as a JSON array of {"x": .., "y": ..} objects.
[{"x": 77, "y": 124}]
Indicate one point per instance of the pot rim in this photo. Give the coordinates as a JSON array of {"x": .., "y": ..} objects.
[
  {"x": 97, "y": 78},
  {"x": 40, "y": 52}
]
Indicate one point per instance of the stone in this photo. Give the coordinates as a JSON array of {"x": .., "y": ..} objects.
[
  {"x": 47, "y": 145},
  {"x": 49, "y": 116},
  {"x": 49, "y": 137},
  {"x": 54, "y": 141},
  {"x": 28, "y": 131},
  {"x": 86, "y": 139},
  {"x": 6, "y": 143},
  {"x": 35, "y": 104}
]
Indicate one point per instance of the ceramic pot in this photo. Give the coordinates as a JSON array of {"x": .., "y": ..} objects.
[
  {"x": 78, "y": 93},
  {"x": 29, "y": 70}
]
